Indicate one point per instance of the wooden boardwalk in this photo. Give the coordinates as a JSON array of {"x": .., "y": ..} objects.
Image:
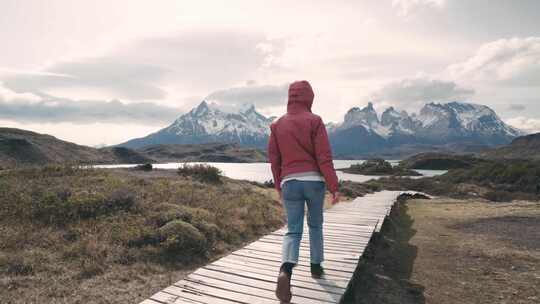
[{"x": 249, "y": 274}]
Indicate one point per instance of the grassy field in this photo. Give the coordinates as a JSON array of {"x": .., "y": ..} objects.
[
  {"x": 490, "y": 180},
  {"x": 448, "y": 251},
  {"x": 74, "y": 235}
]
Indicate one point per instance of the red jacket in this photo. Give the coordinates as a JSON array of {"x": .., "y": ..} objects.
[{"x": 298, "y": 140}]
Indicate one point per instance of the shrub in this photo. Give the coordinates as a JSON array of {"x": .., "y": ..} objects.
[
  {"x": 511, "y": 176},
  {"x": 144, "y": 167},
  {"x": 201, "y": 172},
  {"x": 499, "y": 196},
  {"x": 139, "y": 236},
  {"x": 16, "y": 265},
  {"x": 169, "y": 212},
  {"x": 379, "y": 167},
  {"x": 179, "y": 236}
]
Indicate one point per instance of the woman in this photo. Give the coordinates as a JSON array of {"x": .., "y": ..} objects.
[{"x": 301, "y": 160}]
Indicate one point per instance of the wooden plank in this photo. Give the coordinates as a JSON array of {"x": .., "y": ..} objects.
[
  {"x": 251, "y": 270},
  {"x": 269, "y": 248},
  {"x": 187, "y": 298},
  {"x": 343, "y": 272},
  {"x": 149, "y": 301},
  {"x": 268, "y": 259},
  {"x": 328, "y": 241},
  {"x": 209, "y": 294},
  {"x": 219, "y": 279},
  {"x": 272, "y": 267},
  {"x": 328, "y": 249},
  {"x": 355, "y": 239},
  {"x": 303, "y": 257}
]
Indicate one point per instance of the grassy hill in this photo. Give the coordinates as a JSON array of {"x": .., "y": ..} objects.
[
  {"x": 212, "y": 152},
  {"x": 440, "y": 161},
  {"x": 524, "y": 147},
  {"x": 20, "y": 147}
]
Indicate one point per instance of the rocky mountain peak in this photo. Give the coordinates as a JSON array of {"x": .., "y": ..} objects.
[
  {"x": 366, "y": 116},
  {"x": 201, "y": 109}
]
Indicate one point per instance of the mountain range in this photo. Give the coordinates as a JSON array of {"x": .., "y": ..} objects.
[
  {"x": 208, "y": 123},
  {"x": 363, "y": 132}
]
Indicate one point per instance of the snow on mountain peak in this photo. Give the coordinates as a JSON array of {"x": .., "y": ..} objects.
[
  {"x": 217, "y": 120},
  {"x": 435, "y": 119}
]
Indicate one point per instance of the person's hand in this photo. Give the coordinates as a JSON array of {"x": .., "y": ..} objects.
[{"x": 335, "y": 198}]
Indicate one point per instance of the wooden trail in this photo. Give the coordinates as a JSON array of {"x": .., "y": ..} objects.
[{"x": 249, "y": 275}]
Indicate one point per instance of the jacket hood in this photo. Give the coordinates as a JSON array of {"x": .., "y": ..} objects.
[{"x": 300, "y": 97}]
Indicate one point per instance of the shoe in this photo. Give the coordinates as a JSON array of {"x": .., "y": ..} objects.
[
  {"x": 317, "y": 271},
  {"x": 283, "y": 289}
]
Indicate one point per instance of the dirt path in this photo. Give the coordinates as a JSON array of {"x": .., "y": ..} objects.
[{"x": 446, "y": 252}]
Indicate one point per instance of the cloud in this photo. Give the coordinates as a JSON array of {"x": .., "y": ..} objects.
[
  {"x": 262, "y": 96},
  {"x": 143, "y": 70},
  {"x": 516, "y": 107},
  {"x": 514, "y": 62},
  {"x": 48, "y": 109},
  {"x": 417, "y": 91},
  {"x": 406, "y": 7},
  {"x": 122, "y": 79},
  {"x": 10, "y": 96},
  {"x": 529, "y": 125}
]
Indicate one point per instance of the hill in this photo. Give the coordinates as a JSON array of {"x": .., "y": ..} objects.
[
  {"x": 21, "y": 147},
  {"x": 524, "y": 147},
  {"x": 210, "y": 152},
  {"x": 440, "y": 161}
]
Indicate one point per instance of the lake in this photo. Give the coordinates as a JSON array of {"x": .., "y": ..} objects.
[{"x": 260, "y": 172}]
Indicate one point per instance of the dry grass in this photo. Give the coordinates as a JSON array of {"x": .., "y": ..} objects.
[
  {"x": 94, "y": 236},
  {"x": 477, "y": 252},
  {"x": 447, "y": 251}
]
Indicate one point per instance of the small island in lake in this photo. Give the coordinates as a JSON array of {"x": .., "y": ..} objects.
[{"x": 379, "y": 167}]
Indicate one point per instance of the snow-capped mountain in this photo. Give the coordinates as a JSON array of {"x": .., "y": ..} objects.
[
  {"x": 458, "y": 120},
  {"x": 362, "y": 131},
  {"x": 435, "y": 122},
  {"x": 210, "y": 123}
]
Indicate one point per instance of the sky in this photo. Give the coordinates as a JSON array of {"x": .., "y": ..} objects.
[{"x": 102, "y": 72}]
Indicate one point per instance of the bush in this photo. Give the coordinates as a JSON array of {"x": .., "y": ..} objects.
[
  {"x": 201, "y": 172},
  {"x": 181, "y": 237},
  {"x": 144, "y": 167},
  {"x": 16, "y": 265},
  {"x": 498, "y": 196},
  {"x": 169, "y": 212},
  {"x": 199, "y": 218},
  {"x": 379, "y": 167},
  {"x": 511, "y": 176}
]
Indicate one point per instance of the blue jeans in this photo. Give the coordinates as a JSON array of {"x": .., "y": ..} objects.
[{"x": 296, "y": 194}]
